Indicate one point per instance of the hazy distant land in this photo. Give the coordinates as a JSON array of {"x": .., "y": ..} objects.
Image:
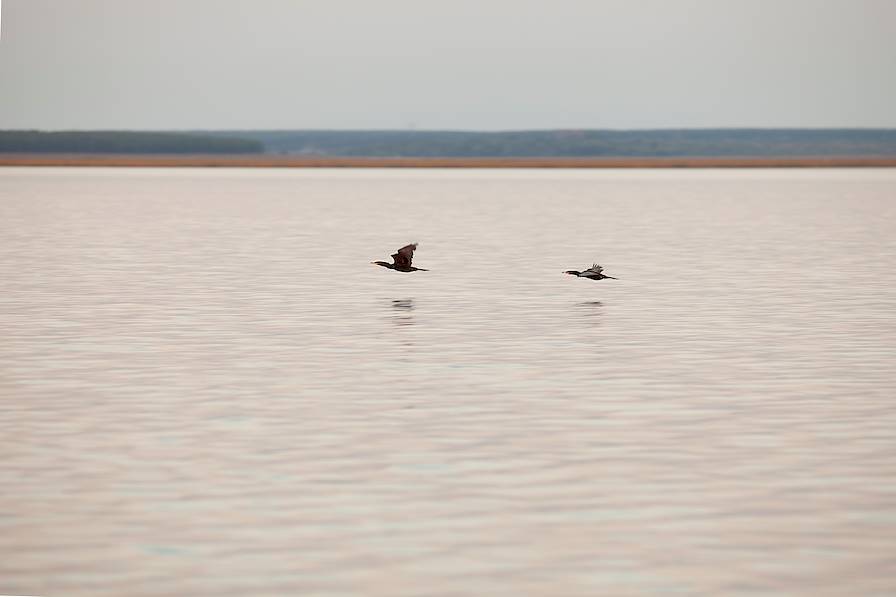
[
  {"x": 580, "y": 143},
  {"x": 279, "y": 161},
  {"x": 558, "y": 148}
]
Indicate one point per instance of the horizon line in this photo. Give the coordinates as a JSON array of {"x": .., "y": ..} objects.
[{"x": 458, "y": 130}]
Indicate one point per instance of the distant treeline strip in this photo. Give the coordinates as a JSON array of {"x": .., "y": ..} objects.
[
  {"x": 579, "y": 143},
  {"x": 572, "y": 144},
  {"x": 125, "y": 142},
  {"x": 282, "y": 161}
]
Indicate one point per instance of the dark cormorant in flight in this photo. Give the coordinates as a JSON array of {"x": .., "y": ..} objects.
[
  {"x": 595, "y": 272},
  {"x": 401, "y": 260}
]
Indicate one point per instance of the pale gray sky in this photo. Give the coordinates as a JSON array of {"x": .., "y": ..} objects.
[{"x": 463, "y": 64}]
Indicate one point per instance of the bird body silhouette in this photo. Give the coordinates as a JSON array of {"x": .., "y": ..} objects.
[
  {"x": 595, "y": 272},
  {"x": 401, "y": 260}
]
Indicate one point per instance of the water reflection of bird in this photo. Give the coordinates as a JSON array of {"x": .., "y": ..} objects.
[
  {"x": 404, "y": 312},
  {"x": 401, "y": 260},
  {"x": 595, "y": 272}
]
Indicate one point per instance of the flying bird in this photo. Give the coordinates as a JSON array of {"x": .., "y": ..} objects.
[
  {"x": 595, "y": 272},
  {"x": 401, "y": 260}
]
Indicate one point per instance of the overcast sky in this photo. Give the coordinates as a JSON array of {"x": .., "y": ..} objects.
[{"x": 460, "y": 64}]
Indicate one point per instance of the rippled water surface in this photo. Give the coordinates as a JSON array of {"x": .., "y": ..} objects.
[{"x": 208, "y": 390}]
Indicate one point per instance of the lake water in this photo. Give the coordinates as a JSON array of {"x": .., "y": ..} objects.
[{"x": 208, "y": 390}]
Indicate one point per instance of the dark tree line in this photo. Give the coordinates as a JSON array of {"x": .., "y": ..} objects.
[
  {"x": 556, "y": 143},
  {"x": 132, "y": 142}
]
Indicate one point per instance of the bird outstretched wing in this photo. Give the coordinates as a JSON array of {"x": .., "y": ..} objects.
[
  {"x": 595, "y": 269},
  {"x": 404, "y": 255}
]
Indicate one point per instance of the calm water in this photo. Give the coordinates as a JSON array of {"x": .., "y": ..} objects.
[{"x": 207, "y": 389}]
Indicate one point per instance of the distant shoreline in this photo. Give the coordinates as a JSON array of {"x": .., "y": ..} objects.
[{"x": 293, "y": 161}]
